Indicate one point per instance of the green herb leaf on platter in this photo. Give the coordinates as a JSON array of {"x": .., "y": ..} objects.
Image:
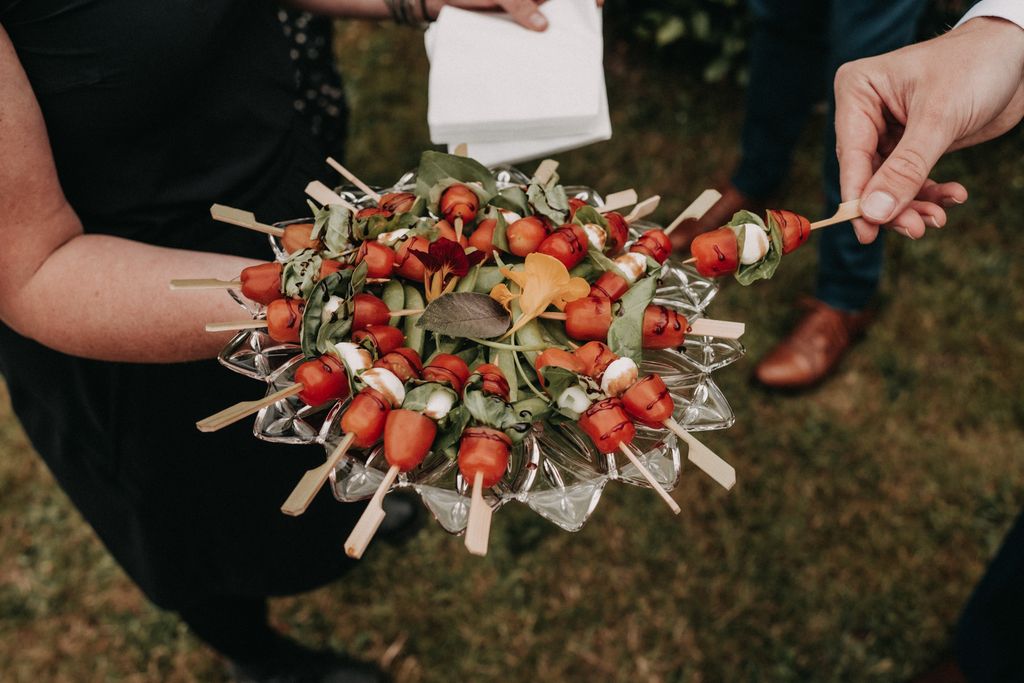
[
  {"x": 556, "y": 381},
  {"x": 449, "y": 430},
  {"x": 626, "y": 333},
  {"x": 512, "y": 199},
  {"x": 372, "y": 227},
  {"x": 417, "y": 398},
  {"x": 586, "y": 215},
  {"x": 312, "y": 314},
  {"x": 766, "y": 267},
  {"x": 434, "y": 195},
  {"x": 549, "y": 200},
  {"x": 465, "y": 314},
  {"x": 487, "y": 409},
  {"x": 602, "y": 263},
  {"x": 333, "y": 225},
  {"x": 437, "y": 166},
  {"x": 300, "y": 272}
]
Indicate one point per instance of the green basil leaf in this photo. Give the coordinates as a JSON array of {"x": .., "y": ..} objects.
[
  {"x": 487, "y": 409},
  {"x": 436, "y": 166},
  {"x": 331, "y": 333},
  {"x": 512, "y": 199},
  {"x": 604, "y": 264},
  {"x": 449, "y": 430},
  {"x": 372, "y": 227},
  {"x": 626, "y": 334},
  {"x": 300, "y": 272},
  {"x": 312, "y": 315},
  {"x": 416, "y": 399},
  {"x": 549, "y": 200},
  {"x": 766, "y": 267},
  {"x": 465, "y": 314},
  {"x": 588, "y": 214}
]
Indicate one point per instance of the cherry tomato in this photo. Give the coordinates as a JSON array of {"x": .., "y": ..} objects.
[
  {"x": 610, "y": 286},
  {"x": 408, "y": 266},
  {"x": 559, "y": 359},
  {"x": 262, "y": 283},
  {"x": 408, "y": 436},
  {"x": 448, "y": 232},
  {"x": 284, "y": 319},
  {"x": 397, "y": 202},
  {"x": 385, "y": 338},
  {"x": 369, "y": 310},
  {"x": 654, "y": 243},
  {"x": 568, "y": 244},
  {"x": 329, "y": 266},
  {"x": 588, "y": 318},
  {"x": 648, "y": 401},
  {"x": 618, "y": 232},
  {"x": 323, "y": 379},
  {"x": 795, "y": 228},
  {"x": 485, "y": 451},
  {"x": 296, "y": 238},
  {"x": 458, "y": 201},
  {"x": 404, "y": 363},
  {"x": 607, "y": 425},
  {"x": 482, "y": 238},
  {"x": 380, "y": 259},
  {"x": 525, "y": 235},
  {"x": 363, "y": 214},
  {"x": 575, "y": 204},
  {"x": 664, "y": 328},
  {"x": 716, "y": 252},
  {"x": 494, "y": 381},
  {"x": 365, "y": 417},
  {"x": 596, "y": 357},
  {"x": 444, "y": 367}
]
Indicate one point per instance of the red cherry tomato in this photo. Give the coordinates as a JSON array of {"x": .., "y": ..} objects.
[
  {"x": 444, "y": 367},
  {"x": 262, "y": 283},
  {"x": 618, "y": 232},
  {"x": 284, "y": 319},
  {"x": 607, "y": 425},
  {"x": 575, "y": 204},
  {"x": 596, "y": 357},
  {"x": 397, "y": 202},
  {"x": 329, "y": 266},
  {"x": 795, "y": 228},
  {"x": 365, "y": 417},
  {"x": 588, "y": 318},
  {"x": 648, "y": 401},
  {"x": 664, "y": 328},
  {"x": 484, "y": 451},
  {"x": 559, "y": 359},
  {"x": 654, "y": 243},
  {"x": 363, "y": 214},
  {"x": 408, "y": 266},
  {"x": 369, "y": 310},
  {"x": 408, "y": 436},
  {"x": 482, "y": 238},
  {"x": 494, "y": 381},
  {"x": 296, "y": 237},
  {"x": 716, "y": 252},
  {"x": 458, "y": 201},
  {"x": 323, "y": 379},
  {"x": 380, "y": 259},
  {"x": 403, "y": 362},
  {"x": 385, "y": 338},
  {"x": 610, "y": 286},
  {"x": 448, "y": 232},
  {"x": 525, "y": 235},
  {"x": 568, "y": 244}
]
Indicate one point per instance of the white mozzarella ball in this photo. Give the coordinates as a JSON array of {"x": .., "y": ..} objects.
[
  {"x": 620, "y": 375},
  {"x": 355, "y": 357},
  {"x": 596, "y": 236},
  {"x": 574, "y": 399},
  {"x": 439, "y": 404},
  {"x": 387, "y": 383},
  {"x": 331, "y": 308},
  {"x": 755, "y": 244},
  {"x": 390, "y": 238},
  {"x": 510, "y": 216},
  {"x": 632, "y": 265}
]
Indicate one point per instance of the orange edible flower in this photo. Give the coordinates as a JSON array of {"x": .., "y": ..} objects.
[{"x": 543, "y": 281}]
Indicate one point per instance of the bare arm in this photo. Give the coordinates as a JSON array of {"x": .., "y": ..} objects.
[
  {"x": 89, "y": 295},
  {"x": 525, "y": 12}
]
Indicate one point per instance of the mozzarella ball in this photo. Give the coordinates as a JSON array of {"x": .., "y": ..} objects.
[
  {"x": 596, "y": 236},
  {"x": 355, "y": 357},
  {"x": 574, "y": 399},
  {"x": 620, "y": 375},
  {"x": 331, "y": 308},
  {"x": 390, "y": 238},
  {"x": 439, "y": 404},
  {"x": 387, "y": 383},
  {"x": 632, "y": 265},
  {"x": 755, "y": 244}
]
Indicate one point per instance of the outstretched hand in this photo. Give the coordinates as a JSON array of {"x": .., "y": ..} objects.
[
  {"x": 897, "y": 113},
  {"x": 525, "y": 12}
]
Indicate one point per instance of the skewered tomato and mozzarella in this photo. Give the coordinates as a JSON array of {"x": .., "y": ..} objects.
[
  {"x": 494, "y": 381},
  {"x": 568, "y": 244},
  {"x": 365, "y": 417},
  {"x": 648, "y": 401},
  {"x": 369, "y": 310},
  {"x": 447, "y": 369},
  {"x": 607, "y": 425},
  {"x": 654, "y": 243},
  {"x": 397, "y": 202},
  {"x": 297, "y": 237},
  {"x": 591, "y": 317},
  {"x": 384, "y": 338},
  {"x": 717, "y": 252},
  {"x": 612, "y": 285},
  {"x": 262, "y": 283},
  {"x": 323, "y": 379},
  {"x": 617, "y": 232}
]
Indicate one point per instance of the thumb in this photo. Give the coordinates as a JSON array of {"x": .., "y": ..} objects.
[
  {"x": 525, "y": 13},
  {"x": 898, "y": 181}
]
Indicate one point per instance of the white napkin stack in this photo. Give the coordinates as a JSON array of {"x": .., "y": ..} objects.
[{"x": 513, "y": 94}]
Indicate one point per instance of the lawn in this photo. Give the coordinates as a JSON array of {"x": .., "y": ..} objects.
[{"x": 865, "y": 510}]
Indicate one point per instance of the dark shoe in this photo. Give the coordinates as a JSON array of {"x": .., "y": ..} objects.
[
  {"x": 719, "y": 214},
  {"x": 813, "y": 349},
  {"x": 946, "y": 671},
  {"x": 289, "y": 662}
]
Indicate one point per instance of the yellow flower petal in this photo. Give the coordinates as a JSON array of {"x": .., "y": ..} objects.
[
  {"x": 544, "y": 280},
  {"x": 502, "y": 295},
  {"x": 576, "y": 288}
]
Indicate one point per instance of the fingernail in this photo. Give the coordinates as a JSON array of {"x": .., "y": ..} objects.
[
  {"x": 538, "y": 21},
  {"x": 878, "y": 205},
  {"x": 933, "y": 222},
  {"x": 903, "y": 231}
]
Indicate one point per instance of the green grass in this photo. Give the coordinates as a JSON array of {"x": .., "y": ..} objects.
[{"x": 864, "y": 513}]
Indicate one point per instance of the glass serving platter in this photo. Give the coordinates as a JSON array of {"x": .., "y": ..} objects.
[{"x": 556, "y": 472}]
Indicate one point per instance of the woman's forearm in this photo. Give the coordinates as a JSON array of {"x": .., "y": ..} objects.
[{"x": 108, "y": 298}]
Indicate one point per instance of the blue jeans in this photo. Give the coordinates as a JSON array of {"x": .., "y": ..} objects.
[{"x": 795, "y": 50}]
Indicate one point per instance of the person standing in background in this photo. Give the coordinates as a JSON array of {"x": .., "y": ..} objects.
[{"x": 795, "y": 50}]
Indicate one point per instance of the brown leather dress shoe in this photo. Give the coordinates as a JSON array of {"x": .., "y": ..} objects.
[
  {"x": 813, "y": 349},
  {"x": 946, "y": 671},
  {"x": 719, "y": 214}
]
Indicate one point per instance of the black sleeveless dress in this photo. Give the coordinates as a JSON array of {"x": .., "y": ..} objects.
[{"x": 155, "y": 111}]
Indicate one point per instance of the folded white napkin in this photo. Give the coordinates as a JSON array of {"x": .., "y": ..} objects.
[{"x": 514, "y": 94}]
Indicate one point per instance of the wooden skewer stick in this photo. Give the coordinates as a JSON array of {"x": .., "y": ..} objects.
[
  {"x": 461, "y": 150},
  {"x": 236, "y": 325},
  {"x": 628, "y": 452},
  {"x": 692, "y": 259},
  {"x": 619, "y": 200},
  {"x": 327, "y": 196},
  {"x": 643, "y": 209},
  {"x": 545, "y": 170},
  {"x": 243, "y": 219},
  {"x": 369, "y": 522},
  {"x": 846, "y": 211},
  {"x": 233, "y": 414},
  {"x": 478, "y": 531},
  {"x": 209, "y": 283},
  {"x": 704, "y": 327},
  {"x": 704, "y": 458},
  {"x": 367, "y": 190},
  {"x": 697, "y": 208},
  {"x": 458, "y": 229},
  {"x": 313, "y": 480}
]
